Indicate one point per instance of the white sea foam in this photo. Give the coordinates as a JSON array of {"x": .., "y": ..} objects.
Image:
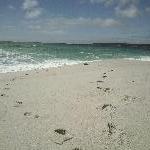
[
  {"x": 12, "y": 61},
  {"x": 142, "y": 58},
  {"x": 16, "y": 66},
  {"x": 31, "y": 66}
]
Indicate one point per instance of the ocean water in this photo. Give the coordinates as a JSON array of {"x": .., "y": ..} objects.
[{"x": 15, "y": 56}]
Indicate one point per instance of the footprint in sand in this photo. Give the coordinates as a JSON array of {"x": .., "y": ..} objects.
[
  {"x": 130, "y": 99},
  {"x": 60, "y": 131},
  {"x": 104, "y": 76},
  {"x": 106, "y": 107},
  {"x": 113, "y": 134},
  {"x": 4, "y": 95},
  {"x": 119, "y": 138},
  {"x": 98, "y": 87},
  {"x": 111, "y": 128},
  {"x": 98, "y": 84},
  {"x": 77, "y": 149},
  {"x": 36, "y": 116},
  {"x": 105, "y": 90},
  {"x": 27, "y": 114},
  {"x": 100, "y": 81},
  {"x": 6, "y": 88},
  {"x": 60, "y": 136},
  {"x": 18, "y": 103},
  {"x": 108, "y": 111},
  {"x": 13, "y": 79}
]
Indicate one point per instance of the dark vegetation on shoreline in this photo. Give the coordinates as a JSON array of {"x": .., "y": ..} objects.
[{"x": 90, "y": 44}]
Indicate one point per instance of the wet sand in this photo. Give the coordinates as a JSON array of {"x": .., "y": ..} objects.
[{"x": 102, "y": 105}]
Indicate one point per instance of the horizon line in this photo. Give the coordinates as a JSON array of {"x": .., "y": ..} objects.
[{"x": 80, "y": 43}]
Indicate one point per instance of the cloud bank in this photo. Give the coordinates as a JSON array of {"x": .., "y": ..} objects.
[
  {"x": 123, "y": 8},
  {"x": 129, "y": 12},
  {"x": 31, "y": 8},
  {"x": 62, "y": 23}
]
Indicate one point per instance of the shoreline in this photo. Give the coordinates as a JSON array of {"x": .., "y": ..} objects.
[
  {"x": 77, "y": 63},
  {"x": 103, "y": 105}
]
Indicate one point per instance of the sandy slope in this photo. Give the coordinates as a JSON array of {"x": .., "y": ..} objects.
[{"x": 104, "y": 105}]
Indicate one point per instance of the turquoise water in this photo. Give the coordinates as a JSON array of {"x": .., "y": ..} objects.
[{"x": 16, "y": 56}]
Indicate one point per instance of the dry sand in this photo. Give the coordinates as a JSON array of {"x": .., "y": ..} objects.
[{"x": 101, "y": 106}]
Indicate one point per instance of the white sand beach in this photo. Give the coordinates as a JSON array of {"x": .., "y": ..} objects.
[{"x": 101, "y": 106}]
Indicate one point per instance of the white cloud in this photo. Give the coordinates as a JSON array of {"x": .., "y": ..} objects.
[
  {"x": 147, "y": 9},
  {"x": 126, "y": 3},
  {"x": 11, "y": 7},
  {"x": 129, "y": 12},
  {"x": 29, "y": 4},
  {"x": 55, "y": 32},
  {"x": 106, "y": 2},
  {"x": 67, "y": 23},
  {"x": 116, "y": 2},
  {"x": 9, "y": 27},
  {"x": 34, "y": 27},
  {"x": 34, "y": 13},
  {"x": 124, "y": 8},
  {"x": 31, "y": 8},
  {"x": 64, "y": 24}
]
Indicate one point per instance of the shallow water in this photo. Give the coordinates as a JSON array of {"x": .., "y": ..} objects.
[{"x": 15, "y": 56}]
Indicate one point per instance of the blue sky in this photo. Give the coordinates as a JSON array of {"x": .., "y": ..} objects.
[{"x": 75, "y": 21}]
